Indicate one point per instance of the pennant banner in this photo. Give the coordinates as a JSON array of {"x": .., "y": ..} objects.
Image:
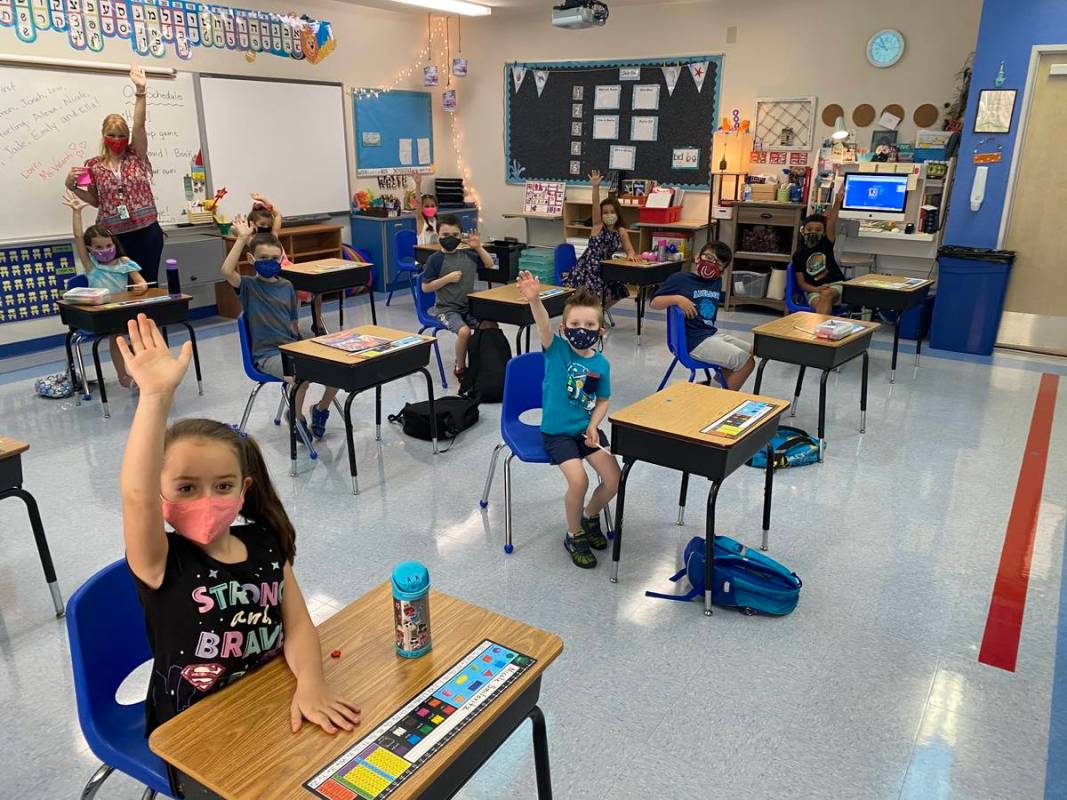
[
  {"x": 517, "y": 75},
  {"x": 699, "y": 71},
  {"x": 540, "y": 79},
  {"x": 670, "y": 74}
]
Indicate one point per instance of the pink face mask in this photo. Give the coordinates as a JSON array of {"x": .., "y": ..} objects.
[
  {"x": 202, "y": 520},
  {"x": 430, "y": 211}
]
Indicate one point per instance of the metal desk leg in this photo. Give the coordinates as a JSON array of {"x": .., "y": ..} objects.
[
  {"x": 796, "y": 391},
  {"x": 196, "y": 359},
  {"x": 863, "y": 395},
  {"x": 540, "y": 746},
  {"x": 518, "y": 341},
  {"x": 341, "y": 310},
  {"x": 918, "y": 344},
  {"x": 681, "y": 498},
  {"x": 351, "y": 443},
  {"x": 42, "y": 543},
  {"x": 100, "y": 376},
  {"x": 822, "y": 411},
  {"x": 433, "y": 408},
  {"x": 640, "y": 310},
  {"x": 378, "y": 413},
  {"x": 709, "y": 543},
  {"x": 759, "y": 375},
  {"x": 768, "y": 488},
  {"x": 896, "y": 343},
  {"x": 527, "y": 338},
  {"x": 620, "y": 507},
  {"x": 292, "y": 427},
  {"x": 373, "y": 309}
]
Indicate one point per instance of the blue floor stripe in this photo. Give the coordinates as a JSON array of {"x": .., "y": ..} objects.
[{"x": 1056, "y": 768}]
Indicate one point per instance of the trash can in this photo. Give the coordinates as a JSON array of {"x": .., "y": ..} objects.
[
  {"x": 507, "y": 258},
  {"x": 971, "y": 284}
]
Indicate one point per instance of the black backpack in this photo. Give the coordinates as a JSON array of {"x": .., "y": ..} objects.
[
  {"x": 487, "y": 358},
  {"x": 454, "y": 415}
]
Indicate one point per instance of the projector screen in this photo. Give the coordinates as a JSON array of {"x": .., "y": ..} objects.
[{"x": 285, "y": 140}]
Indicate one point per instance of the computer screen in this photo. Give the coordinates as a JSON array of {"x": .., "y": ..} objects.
[{"x": 875, "y": 193}]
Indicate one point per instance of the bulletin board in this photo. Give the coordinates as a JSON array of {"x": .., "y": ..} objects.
[
  {"x": 384, "y": 123},
  {"x": 541, "y": 103}
]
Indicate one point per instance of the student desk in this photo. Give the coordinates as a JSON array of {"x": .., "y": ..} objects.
[
  {"x": 309, "y": 361},
  {"x": 11, "y": 451},
  {"x": 665, "y": 429},
  {"x": 328, "y": 276},
  {"x": 490, "y": 276},
  {"x": 504, "y": 304},
  {"x": 641, "y": 273},
  {"x": 237, "y": 743},
  {"x": 876, "y": 291},
  {"x": 112, "y": 317},
  {"x": 787, "y": 339}
]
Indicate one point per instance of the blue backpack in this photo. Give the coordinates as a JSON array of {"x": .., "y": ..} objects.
[
  {"x": 745, "y": 579},
  {"x": 792, "y": 448}
]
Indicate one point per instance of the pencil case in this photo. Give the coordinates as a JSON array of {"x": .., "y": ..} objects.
[{"x": 86, "y": 296}]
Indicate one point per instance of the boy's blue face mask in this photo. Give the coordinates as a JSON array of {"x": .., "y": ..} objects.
[
  {"x": 581, "y": 338},
  {"x": 267, "y": 267}
]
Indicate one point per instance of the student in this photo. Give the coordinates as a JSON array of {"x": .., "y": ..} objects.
[
  {"x": 265, "y": 216},
  {"x": 426, "y": 222},
  {"x": 607, "y": 238},
  {"x": 219, "y": 599},
  {"x": 271, "y": 309},
  {"x": 574, "y": 402},
  {"x": 451, "y": 274},
  {"x": 814, "y": 266},
  {"x": 698, "y": 294},
  {"x": 106, "y": 267}
]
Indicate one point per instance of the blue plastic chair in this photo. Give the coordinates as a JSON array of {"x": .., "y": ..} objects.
[
  {"x": 793, "y": 292},
  {"x": 262, "y": 379},
  {"x": 404, "y": 251},
  {"x": 522, "y": 392},
  {"x": 565, "y": 259},
  {"x": 423, "y": 303},
  {"x": 676, "y": 343},
  {"x": 105, "y": 624}
]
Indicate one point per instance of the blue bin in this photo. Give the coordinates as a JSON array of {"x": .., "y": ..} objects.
[{"x": 971, "y": 285}]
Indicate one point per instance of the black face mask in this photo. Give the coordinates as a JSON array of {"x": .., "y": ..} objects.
[
  {"x": 263, "y": 229},
  {"x": 449, "y": 243},
  {"x": 812, "y": 239}
]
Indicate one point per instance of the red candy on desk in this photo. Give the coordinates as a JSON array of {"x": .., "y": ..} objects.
[{"x": 335, "y": 654}]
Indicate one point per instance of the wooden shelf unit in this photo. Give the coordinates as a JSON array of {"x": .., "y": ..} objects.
[
  {"x": 577, "y": 212},
  {"x": 785, "y": 218},
  {"x": 300, "y": 242}
]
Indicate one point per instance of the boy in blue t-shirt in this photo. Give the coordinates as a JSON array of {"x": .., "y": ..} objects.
[
  {"x": 574, "y": 402},
  {"x": 698, "y": 294}
]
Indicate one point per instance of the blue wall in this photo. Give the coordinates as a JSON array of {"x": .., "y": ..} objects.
[{"x": 1007, "y": 32}]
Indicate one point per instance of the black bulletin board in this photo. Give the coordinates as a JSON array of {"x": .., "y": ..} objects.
[{"x": 538, "y": 132}]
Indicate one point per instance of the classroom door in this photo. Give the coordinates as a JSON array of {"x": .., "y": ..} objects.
[{"x": 1035, "y": 310}]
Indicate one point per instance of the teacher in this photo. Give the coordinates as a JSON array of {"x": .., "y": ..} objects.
[{"x": 118, "y": 183}]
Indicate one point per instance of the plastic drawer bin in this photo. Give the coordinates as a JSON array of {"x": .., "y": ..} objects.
[
  {"x": 750, "y": 284},
  {"x": 971, "y": 284}
]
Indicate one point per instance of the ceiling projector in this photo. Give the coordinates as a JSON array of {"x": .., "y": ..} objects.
[{"x": 578, "y": 14}]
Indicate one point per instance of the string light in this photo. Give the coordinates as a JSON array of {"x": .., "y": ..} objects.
[{"x": 425, "y": 56}]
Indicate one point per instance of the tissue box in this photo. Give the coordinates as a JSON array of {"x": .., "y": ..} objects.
[{"x": 85, "y": 296}]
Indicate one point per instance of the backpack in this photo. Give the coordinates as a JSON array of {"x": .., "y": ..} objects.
[
  {"x": 54, "y": 387},
  {"x": 454, "y": 415},
  {"x": 792, "y": 448},
  {"x": 487, "y": 358},
  {"x": 745, "y": 579}
]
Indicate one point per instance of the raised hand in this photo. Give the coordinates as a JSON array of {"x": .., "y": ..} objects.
[
  {"x": 149, "y": 360},
  {"x": 241, "y": 227},
  {"x": 260, "y": 200},
  {"x": 594, "y": 177},
  {"x": 71, "y": 200},
  {"x": 138, "y": 77},
  {"x": 474, "y": 240},
  {"x": 529, "y": 286}
]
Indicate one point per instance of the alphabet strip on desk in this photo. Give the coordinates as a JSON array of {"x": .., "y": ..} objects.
[{"x": 152, "y": 25}]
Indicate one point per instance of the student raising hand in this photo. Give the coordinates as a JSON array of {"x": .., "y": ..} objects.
[
  {"x": 595, "y": 177},
  {"x": 529, "y": 286},
  {"x": 241, "y": 227},
  {"x": 149, "y": 361}
]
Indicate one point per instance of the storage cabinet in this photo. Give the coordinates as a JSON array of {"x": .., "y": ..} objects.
[{"x": 765, "y": 236}]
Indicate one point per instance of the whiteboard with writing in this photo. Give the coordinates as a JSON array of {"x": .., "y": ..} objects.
[{"x": 50, "y": 121}]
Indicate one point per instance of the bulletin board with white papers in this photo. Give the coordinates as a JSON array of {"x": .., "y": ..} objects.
[
  {"x": 394, "y": 132},
  {"x": 564, "y": 119}
]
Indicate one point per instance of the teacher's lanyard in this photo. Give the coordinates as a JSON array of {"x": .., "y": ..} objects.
[{"x": 120, "y": 191}]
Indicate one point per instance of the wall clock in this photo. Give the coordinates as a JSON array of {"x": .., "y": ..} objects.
[{"x": 885, "y": 48}]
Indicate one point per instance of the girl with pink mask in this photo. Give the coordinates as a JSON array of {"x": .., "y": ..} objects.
[
  {"x": 219, "y": 598},
  {"x": 425, "y": 213}
]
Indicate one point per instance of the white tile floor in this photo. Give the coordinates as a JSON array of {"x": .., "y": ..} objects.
[{"x": 871, "y": 689}]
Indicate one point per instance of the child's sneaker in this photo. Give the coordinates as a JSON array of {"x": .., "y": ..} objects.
[
  {"x": 578, "y": 547},
  {"x": 318, "y": 421},
  {"x": 596, "y": 537}
]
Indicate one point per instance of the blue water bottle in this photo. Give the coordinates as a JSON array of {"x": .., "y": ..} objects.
[{"x": 411, "y": 609}]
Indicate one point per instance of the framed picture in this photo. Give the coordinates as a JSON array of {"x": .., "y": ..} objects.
[
  {"x": 995, "y": 109},
  {"x": 879, "y": 138}
]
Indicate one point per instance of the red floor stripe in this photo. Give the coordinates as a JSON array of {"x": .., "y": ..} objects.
[{"x": 1004, "y": 625}]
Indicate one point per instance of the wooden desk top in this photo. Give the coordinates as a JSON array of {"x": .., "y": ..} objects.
[
  {"x": 786, "y": 328},
  {"x": 682, "y": 409},
  {"x": 323, "y": 265},
  {"x": 124, "y": 297},
  {"x": 309, "y": 347},
  {"x": 875, "y": 280},
  {"x": 642, "y": 264},
  {"x": 238, "y": 742},
  {"x": 11, "y": 447},
  {"x": 509, "y": 293}
]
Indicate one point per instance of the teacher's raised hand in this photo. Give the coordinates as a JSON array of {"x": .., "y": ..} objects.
[{"x": 138, "y": 77}]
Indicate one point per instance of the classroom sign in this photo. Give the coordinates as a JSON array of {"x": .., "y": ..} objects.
[{"x": 151, "y": 26}]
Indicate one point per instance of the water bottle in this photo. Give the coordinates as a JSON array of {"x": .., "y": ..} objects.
[
  {"x": 174, "y": 283},
  {"x": 411, "y": 609}
]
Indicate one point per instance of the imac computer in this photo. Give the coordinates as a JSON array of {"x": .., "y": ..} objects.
[{"x": 874, "y": 196}]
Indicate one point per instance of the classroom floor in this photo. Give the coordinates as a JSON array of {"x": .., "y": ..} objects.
[{"x": 870, "y": 689}]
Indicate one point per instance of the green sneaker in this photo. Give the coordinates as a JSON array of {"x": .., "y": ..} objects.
[
  {"x": 578, "y": 547},
  {"x": 591, "y": 528}
]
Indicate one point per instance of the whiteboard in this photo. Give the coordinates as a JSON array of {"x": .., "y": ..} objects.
[
  {"x": 50, "y": 121},
  {"x": 285, "y": 140}
]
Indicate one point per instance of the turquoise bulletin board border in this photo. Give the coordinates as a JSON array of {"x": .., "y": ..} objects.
[
  {"x": 518, "y": 180},
  {"x": 393, "y": 115}
]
